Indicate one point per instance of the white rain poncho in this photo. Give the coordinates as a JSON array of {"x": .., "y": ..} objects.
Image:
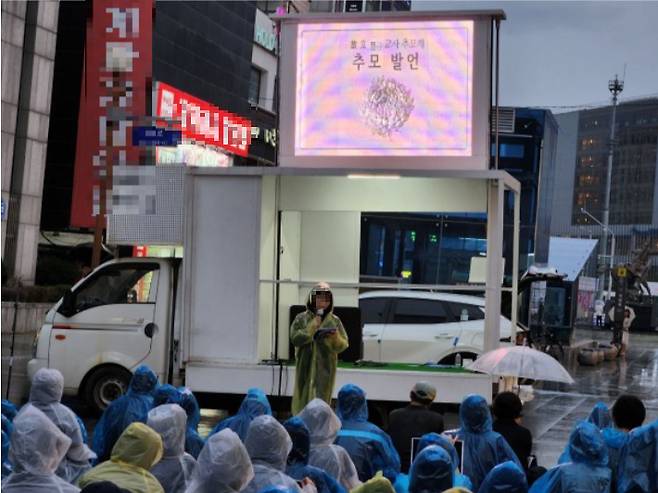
[
  {"x": 334, "y": 459},
  {"x": 175, "y": 469},
  {"x": 268, "y": 444},
  {"x": 37, "y": 448},
  {"x": 45, "y": 394},
  {"x": 223, "y": 466}
]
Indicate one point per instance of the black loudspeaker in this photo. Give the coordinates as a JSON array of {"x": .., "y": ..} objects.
[{"x": 351, "y": 318}]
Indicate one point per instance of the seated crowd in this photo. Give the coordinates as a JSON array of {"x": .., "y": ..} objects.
[{"x": 147, "y": 441}]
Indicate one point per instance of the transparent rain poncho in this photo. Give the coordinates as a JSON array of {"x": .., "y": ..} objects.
[
  {"x": 175, "y": 469},
  {"x": 137, "y": 450},
  {"x": 129, "y": 408},
  {"x": 223, "y": 465},
  {"x": 505, "y": 478},
  {"x": 254, "y": 404},
  {"x": 45, "y": 394},
  {"x": 37, "y": 447},
  {"x": 298, "y": 467},
  {"x": 483, "y": 447},
  {"x": 370, "y": 448},
  {"x": 638, "y": 461},
  {"x": 268, "y": 444},
  {"x": 588, "y": 470},
  {"x": 323, "y": 425}
]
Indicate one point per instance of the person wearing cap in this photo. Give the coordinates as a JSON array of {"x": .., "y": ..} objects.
[
  {"x": 318, "y": 336},
  {"x": 414, "y": 421}
]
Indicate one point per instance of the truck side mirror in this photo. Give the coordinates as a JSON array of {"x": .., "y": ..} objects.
[
  {"x": 150, "y": 329},
  {"x": 66, "y": 308}
]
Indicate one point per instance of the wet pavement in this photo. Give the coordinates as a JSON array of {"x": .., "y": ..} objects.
[{"x": 555, "y": 408}]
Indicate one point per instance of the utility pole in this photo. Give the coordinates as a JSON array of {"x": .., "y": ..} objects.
[{"x": 615, "y": 87}]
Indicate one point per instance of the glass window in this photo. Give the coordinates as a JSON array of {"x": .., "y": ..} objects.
[
  {"x": 254, "y": 85},
  {"x": 415, "y": 311},
  {"x": 121, "y": 284},
  {"x": 464, "y": 311},
  {"x": 373, "y": 310}
]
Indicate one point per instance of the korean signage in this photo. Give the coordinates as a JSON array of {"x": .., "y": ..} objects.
[
  {"x": 384, "y": 88},
  {"x": 203, "y": 123},
  {"x": 116, "y": 73}
]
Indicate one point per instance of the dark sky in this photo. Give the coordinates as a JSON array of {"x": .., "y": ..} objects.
[{"x": 563, "y": 53}]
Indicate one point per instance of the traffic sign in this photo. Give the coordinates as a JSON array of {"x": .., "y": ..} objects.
[{"x": 154, "y": 136}]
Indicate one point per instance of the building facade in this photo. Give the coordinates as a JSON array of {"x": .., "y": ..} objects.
[
  {"x": 29, "y": 32},
  {"x": 583, "y": 146}
]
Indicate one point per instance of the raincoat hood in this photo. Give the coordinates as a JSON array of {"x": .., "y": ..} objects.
[
  {"x": 139, "y": 446},
  {"x": 322, "y": 423},
  {"x": 474, "y": 414},
  {"x": 9, "y": 409},
  {"x": 301, "y": 440},
  {"x": 586, "y": 445},
  {"x": 223, "y": 465},
  {"x": 189, "y": 403},
  {"x": 442, "y": 441},
  {"x": 144, "y": 381},
  {"x": 169, "y": 421},
  {"x": 268, "y": 442},
  {"x": 352, "y": 404},
  {"x": 320, "y": 287},
  {"x": 255, "y": 404},
  {"x": 505, "y": 478},
  {"x": 277, "y": 489},
  {"x": 166, "y": 394},
  {"x": 37, "y": 445},
  {"x": 431, "y": 471},
  {"x": 600, "y": 416},
  {"x": 47, "y": 386}
]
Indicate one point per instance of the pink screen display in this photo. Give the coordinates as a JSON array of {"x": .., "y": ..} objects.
[{"x": 384, "y": 89}]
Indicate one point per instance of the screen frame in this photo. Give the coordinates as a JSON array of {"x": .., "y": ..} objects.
[{"x": 481, "y": 94}]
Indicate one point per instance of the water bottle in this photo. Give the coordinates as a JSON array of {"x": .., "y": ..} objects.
[{"x": 458, "y": 359}]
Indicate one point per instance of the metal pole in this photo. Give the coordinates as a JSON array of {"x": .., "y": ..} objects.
[
  {"x": 612, "y": 265},
  {"x": 615, "y": 87}
]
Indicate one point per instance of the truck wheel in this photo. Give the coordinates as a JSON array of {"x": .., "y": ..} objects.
[
  {"x": 105, "y": 385},
  {"x": 450, "y": 359}
]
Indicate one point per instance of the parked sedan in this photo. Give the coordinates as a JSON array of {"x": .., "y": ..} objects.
[{"x": 422, "y": 327}]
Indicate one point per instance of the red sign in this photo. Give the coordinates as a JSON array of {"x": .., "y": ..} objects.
[
  {"x": 117, "y": 71},
  {"x": 202, "y": 122}
]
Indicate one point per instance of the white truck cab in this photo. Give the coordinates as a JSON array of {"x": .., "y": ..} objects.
[{"x": 113, "y": 320}]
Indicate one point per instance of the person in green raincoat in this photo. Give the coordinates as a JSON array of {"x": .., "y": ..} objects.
[
  {"x": 318, "y": 336},
  {"x": 137, "y": 450}
]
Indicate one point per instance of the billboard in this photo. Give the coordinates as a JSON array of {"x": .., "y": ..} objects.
[{"x": 409, "y": 91}]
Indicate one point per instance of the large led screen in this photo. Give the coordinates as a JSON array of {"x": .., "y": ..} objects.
[{"x": 384, "y": 88}]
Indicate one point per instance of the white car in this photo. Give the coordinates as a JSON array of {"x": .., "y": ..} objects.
[{"x": 422, "y": 327}]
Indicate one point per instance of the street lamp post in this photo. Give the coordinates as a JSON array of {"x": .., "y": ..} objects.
[{"x": 606, "y": 230}]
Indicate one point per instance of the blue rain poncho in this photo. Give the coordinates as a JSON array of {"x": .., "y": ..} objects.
[
  {"x": 223, "y": 465},
  {"x": 298, "y": 467},
  {"x": 276, "y": 489},
  {"x": 431, "y": 471},
  {"x": 175, "y": 469},
  {"x": 129, "y": 408},
  {"x": 254, "y": 404},
  {"x": 483, "y": 448},
  {"x": 9, "y": 409},
  {"x": 599, "y": 417},
  {"x": 370, "y": 448},
  {"x": 268, "y": 444},
  {"x": 505, "y": 478},
  {"x": 6, "y": 425},
  {"x": 45, "y": 394},
  {"x": 588, "y": 471},
  {"x": 638, "y": 461},
  {"x": 37, "y": 447},
  {"x": 193, "y": 441},
  {"x": 6, "y": 465},
  {"x": 166, "y": 394},
  {"x": 323, "y": 425},
  {"x": 444, "y": 442}
]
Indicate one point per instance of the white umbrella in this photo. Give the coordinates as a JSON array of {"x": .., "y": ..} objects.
[{"x": 521, "y": 361}]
